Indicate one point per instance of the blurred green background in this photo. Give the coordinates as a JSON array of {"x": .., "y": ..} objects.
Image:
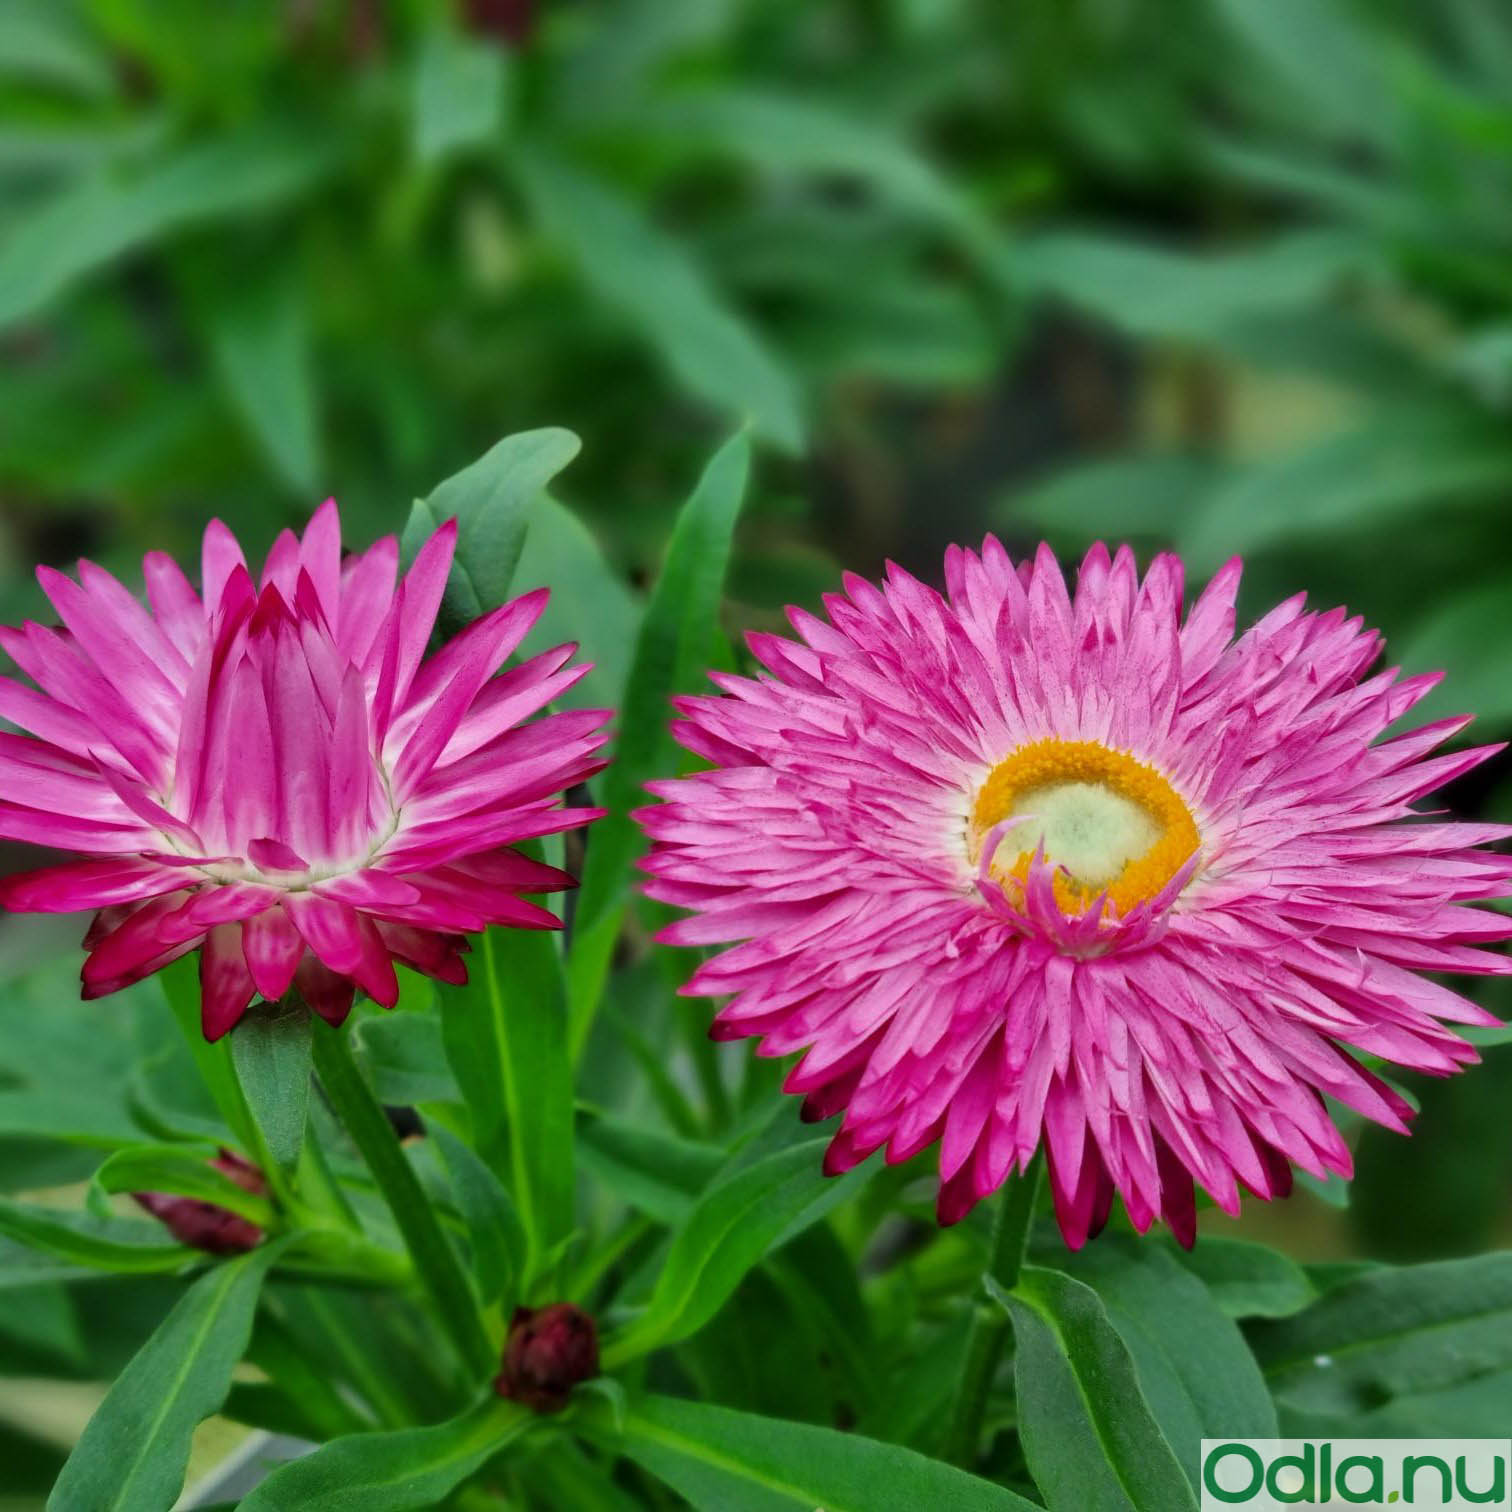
[{"x": 1228, "y": 275}]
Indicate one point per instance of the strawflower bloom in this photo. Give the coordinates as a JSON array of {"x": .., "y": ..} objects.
[
  {"x": 1019, "y": 868},
  {"x": 275, "y": 773}
]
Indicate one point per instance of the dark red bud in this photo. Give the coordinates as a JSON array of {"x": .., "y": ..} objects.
[
  {"x": 203, "y": 1225},
  {"x": 549, "y": 1350}
]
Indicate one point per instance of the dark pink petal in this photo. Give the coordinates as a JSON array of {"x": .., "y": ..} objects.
[
  {"x": 79, "y": 885},
  {"x": 273, "y": 949},
  {"x": 225, "y": 983}
]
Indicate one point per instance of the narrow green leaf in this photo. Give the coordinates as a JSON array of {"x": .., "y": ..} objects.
[
  {"x": 1196, "y": 1371},
  {"x": 412, "y": 1470},
  {"x": 133, "y": 1454},
  {"x": 270, "y": 1049},
  {"x": 113, "y": 1244},
  {"x": 458, "y": 92},
  {"x": 22, "y": 1266},
  {"x": 506, "y": 1038},
  {"x": 493, "y": 1224},
  {"x": 435, "y": 1260},
  {"x": 1392, "y": 1333},
  {"x": 44, "y": 41},
  {"x": 1248, "y": 1280},
  {"x": 94, "y": 220},
  {"x": 590, "y": 603},
  {"x": 57, "y": 1113},
  {"x": 1091, "y": 1440},
  {"x": 672, "y": 655},
  {"x": 260, "y": 339},
  {"x": 724, "y": 1461},
  {"x": 184, "y": 1172},
  {"x": 658, "y": 1174},
  {"x": 650, "y": 280},
  {"x": 755, "y": 1207},
  {"x": 491, "y": 500}
]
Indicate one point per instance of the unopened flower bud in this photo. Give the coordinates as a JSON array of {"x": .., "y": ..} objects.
[
  {"x": 549, "y": 1350},
  {"x": 204, "y": 1225}
]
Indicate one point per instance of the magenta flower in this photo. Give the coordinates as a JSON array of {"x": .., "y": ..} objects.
[
  {"x": 1016, "y": 868},
  {"x": 276, "y": 775}
]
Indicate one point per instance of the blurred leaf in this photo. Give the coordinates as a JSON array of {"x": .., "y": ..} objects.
[
  {"x": 1089, "y": 1434},
  {"x": 1153, "y": 292},
  {"x": 649, "y": 278},
  {"x": 22, "y": 1266},
  {"x": 724, "y": 1461},
  {"x": 406, "y": 1059},
  {"x": 260, "y": 338},
  {"x": 736, "y": 1220},
  {"x": 91, "y": 222},
  {"x": 1392, "y": 1333},
  {"x": 1248, "y": 1280},
  {"x": 493, "y": 1224},
  {"x": 671, "y": 655},
  {"x": 1396, "y": 464},
  {"x": 589, "y": 603},
  {"x": 77, "y": 1118},
  {"x": 797, "y": 134},
  {"x": 133, "y": 1454},
  {"x": 657, "y": 1174},
  {"x": 458, "y": 92},
  {"x": 116, "y": 1244},
  {"x": 1465, "y": 634},
  {"x": 412, "y": 1470},
  {"x": 491, "y": 500},
  {"x": 44, "y": 41},
  {"x": 1333, "y": 67},
  {"x": 506, "y": 1039},
  {"x": 1195, "y": 1370},
  {"x": 182, "y": 1172},
  {"x": 42, "y": 1317},
  {"x": 1149, "y": 497}
]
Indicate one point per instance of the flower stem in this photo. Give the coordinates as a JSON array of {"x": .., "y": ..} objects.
[
  {"x": 989, "y": 1323},
  {"x": 435, "y": 1261}
]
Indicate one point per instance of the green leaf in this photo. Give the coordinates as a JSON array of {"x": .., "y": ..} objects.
[
  {"x": 1402, "y": 461},
  {"x": 1332, "y": 66},
  {"x": 1464, "y": 634},
  {"x": 1157, "y": 293},
  {"x": 649, "y": 279},
  {"x": 491, "y": 500},
  {"x": 458, "y": 93},
  {"x": 184, "y": 1172},
  {"x": 589, "y": 603},
  {"x": 22, "y": 1266},
  {"x": 94, "y": 220},
  {"x": 42, "y": 40},
  {"x": 1152, "y": 497},
  {"x": 58, "y": 1113},
  {"x": 1197, "y": 1373},
  {"x": 506, "y": 1038},
  {"x": 493, "y": 1225},
  {"x": 658, "y": 1174},
  {"x": 1249, "y": 1280},
  {"x": 436, "y": 1262},
  {"x": 133, "y": 1454},
  {"x": 724, "y": 1461},
  {"x": 406, "y": 1059},
  {"x": 1089, "y": 1435},
  {"x": 1392, "y": 1333},
  {"x": 260, "y": 340},
  {"x": 270, "y": 1049},
  {"x": 43, "y": 1317},
  {"x": 756, "y": 1206},
  {"x": 114, "y": 1244},
  {"x": 412, "y": 1470},
  {"x": 671, "y": 656}
]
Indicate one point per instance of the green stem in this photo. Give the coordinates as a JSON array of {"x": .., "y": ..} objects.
[
  {"x": 435, "y": 1261},
  {"x": 989, "y": 1323}
]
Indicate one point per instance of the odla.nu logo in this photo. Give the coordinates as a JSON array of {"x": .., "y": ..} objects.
[{"x": 1264, "y": 1475}]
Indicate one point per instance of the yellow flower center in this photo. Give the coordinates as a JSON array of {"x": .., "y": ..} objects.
[{"x": 1107, "y": 822}]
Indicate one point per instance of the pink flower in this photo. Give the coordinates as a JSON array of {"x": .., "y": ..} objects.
[
  {"x": 277, "y": 775},
  {"x": 1016, "y": 868}
]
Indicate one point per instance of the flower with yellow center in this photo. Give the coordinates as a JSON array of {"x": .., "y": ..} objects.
[{"x": 1107, "y": 822}]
